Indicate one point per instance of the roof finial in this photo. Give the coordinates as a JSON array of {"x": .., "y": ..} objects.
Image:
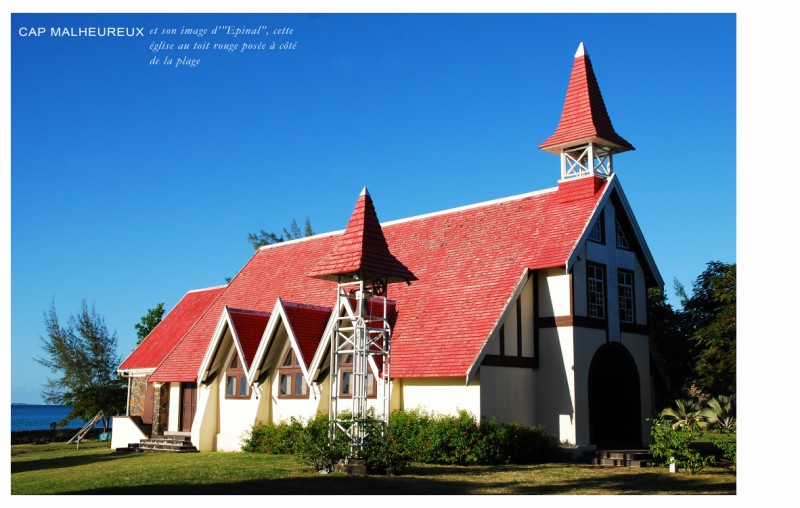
[
  {"x": 581, "y": 51},
  {"x": 364, "y": 191}
]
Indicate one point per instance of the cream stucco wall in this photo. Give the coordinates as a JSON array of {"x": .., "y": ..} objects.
[
  {"x": 235, "y": 416},
  {"x": 555, "y": 383},
  {"x": 587, "y": 342},
  {"x": 508, "y": 394},
  {"x": 442, "y": 395},
  {"x": 206, "y": 417},
  {"x": 554, "y": 292}
]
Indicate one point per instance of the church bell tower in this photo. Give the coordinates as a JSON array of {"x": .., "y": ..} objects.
[{"x": 585, "y": 138}]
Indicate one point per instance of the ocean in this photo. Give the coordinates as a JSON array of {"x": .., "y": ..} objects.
[{"x": 40, "y": 416}]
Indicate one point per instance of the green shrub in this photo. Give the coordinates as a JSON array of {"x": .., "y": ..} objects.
[
  {"x": 315, "y": 447},
  {"x": 414, "y": 436},
  {"x": 273, "y": 438},
  {"x": 674, "y": 443},
  {"x": 387, "y": 455},
  {"x": 726, "y": 443},
  {"x": 461, "y": 440}
]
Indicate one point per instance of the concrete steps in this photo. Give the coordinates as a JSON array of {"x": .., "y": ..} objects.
[
  {"x": 165, "y": 443},
  {"x": 622, "y": 458}
]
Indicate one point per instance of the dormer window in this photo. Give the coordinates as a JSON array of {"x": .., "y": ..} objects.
[
  {"x": 622, "y": 240},
  {"x": 236, "y": 386},
  {"x": 291, "y": 382}
]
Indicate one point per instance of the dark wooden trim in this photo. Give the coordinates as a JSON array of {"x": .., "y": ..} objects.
[
  {"x": 502, "y": 339},
  {"x": 634, "y": 328},
  {"x": 509, "y": 361},
  {"x": 519, "y": 323},
  {"x": 581, "y": 321},
  {"x": 572, "y": 293},
  {"x": 535, "y": 304}
]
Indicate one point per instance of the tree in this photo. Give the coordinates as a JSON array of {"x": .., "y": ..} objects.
[
  {"x": 671, "y": 348},
  {"x": 710, "y": 321},
  {"x": 149, "y": 321},
  {"x": 84, "y": 355},
  {"x": 264, "y": 238}
]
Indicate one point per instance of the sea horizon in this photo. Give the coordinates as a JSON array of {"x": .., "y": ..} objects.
[{"x": 32, "y": 417}]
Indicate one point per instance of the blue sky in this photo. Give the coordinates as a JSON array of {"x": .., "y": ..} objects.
[{"x": 133, "y": 183}]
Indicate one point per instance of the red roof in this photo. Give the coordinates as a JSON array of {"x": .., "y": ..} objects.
[
  {"x": 467, "y": 261},
  {"x": 362, "y": 249},
  {"x": 171, "y": 329},
  {"x": 249, "y": 328},
  {"x": 307, "y": 322},
  {"x": 584, "y": 117}
]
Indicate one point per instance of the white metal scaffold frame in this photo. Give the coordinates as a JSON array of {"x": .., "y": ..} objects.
[{"x": 366, "y": 335}]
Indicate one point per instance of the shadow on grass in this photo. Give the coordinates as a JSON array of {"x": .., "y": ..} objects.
[
  {"x": 309, "y": 486},
  {"x": 640, "y": 483},
  {"x": 433, "y": 482},
  {"x": 24, "y": 466}
]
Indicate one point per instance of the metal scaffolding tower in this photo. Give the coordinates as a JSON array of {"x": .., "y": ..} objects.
[{"x": 360, "y": 364}]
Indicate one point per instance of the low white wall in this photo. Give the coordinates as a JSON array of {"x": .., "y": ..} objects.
[
  {"x": 174, "y": 418},
  {"x": 124, "y": 432}
]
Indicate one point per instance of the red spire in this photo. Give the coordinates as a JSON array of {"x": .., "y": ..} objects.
[
  {"x": 362, "y": 251},
  {"x": 584, "y": 118}
]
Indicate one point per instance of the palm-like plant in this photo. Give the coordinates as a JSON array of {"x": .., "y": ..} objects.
[
  {"x": 685, "y": 412},
  {"x": 720, "y": 412}
]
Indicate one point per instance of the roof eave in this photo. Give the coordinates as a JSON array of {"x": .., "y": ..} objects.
[{"x": 476, "y": 363}]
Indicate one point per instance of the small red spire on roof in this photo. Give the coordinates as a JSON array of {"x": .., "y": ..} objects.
[
  {"x": 362, "y": 251},
  {"x": 584, "y": 118}
]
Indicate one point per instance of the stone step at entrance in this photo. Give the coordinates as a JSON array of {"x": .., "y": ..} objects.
[
  {"x": 177, "y": 443},
  {"x": 622, "y": 458}
]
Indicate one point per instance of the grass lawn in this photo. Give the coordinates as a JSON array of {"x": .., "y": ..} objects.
[{"x": 58, "y": 468}]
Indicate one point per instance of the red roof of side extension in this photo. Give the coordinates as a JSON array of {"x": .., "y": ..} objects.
[
  {"x": 468, "y": 262},
  {"x": 151, "y": 352},
  {"x": 249, "y": 328},
  {"x": 584, "y": 116},
  {"x": 362, "y": 249}
]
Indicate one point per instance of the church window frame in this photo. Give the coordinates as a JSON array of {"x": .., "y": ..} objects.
[
  {"x": 596, "y": 290},
  {"x": 236, "y": 385},
  {"x": 291, "y": 381}
]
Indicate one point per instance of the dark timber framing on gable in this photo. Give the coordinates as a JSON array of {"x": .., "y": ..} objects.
[{"x": 518, "y": 360}]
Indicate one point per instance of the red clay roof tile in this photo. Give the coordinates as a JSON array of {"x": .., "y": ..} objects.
[
  {"x": 467, "y": 261},
  {"x": 157, "y": 345},
  {"x": 584, "y": 117},
  {"x": 249, "y": 326},
  {"x": 362, "y": 249}
]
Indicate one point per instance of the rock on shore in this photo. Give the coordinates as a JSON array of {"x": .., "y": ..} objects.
[{"x": 50, "y": 436}]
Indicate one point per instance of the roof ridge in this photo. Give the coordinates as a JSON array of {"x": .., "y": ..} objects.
[
  {"x": 248, "y": 311},
  {"x": 305, "y": 305},
  {"x": 426, "y": 215},
  {"x": 206, "y": 289}
]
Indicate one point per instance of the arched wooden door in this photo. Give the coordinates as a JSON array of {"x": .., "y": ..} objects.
[{"x": 615, "y": 417}]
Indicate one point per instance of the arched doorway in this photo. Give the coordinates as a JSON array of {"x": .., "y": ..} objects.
[{"x": 614, "y": 403}]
